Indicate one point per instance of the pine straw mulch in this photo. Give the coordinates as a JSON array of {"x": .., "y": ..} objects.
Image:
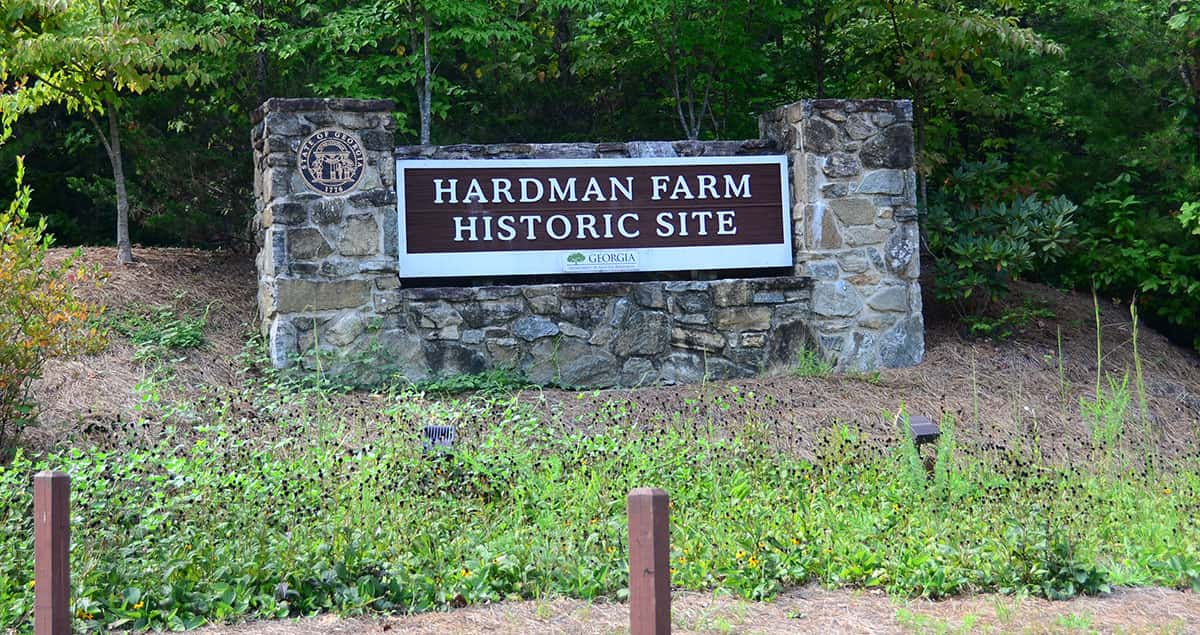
[
  {"x": 1000, "y": 394},
  {"x": 81, "y": 393},
  {"x": 807, "y": 610}
]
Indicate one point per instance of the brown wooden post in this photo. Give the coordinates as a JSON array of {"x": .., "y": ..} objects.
[
  {"x": 649, "y": 562},
  {"x": 51, "y": 559}
]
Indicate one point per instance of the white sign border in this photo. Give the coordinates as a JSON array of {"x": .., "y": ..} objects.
[{"x": 550, "y": 261}]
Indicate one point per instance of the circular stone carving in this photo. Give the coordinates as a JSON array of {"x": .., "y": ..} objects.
[{"x": 331, "y": 161}]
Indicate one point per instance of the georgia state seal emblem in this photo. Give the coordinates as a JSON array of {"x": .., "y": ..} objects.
[{"x": 331, "y": 161}]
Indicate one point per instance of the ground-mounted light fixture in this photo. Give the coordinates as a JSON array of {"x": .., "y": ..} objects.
[
  {"x": 438, "y": 437},
  {"x": 923, "y": 429}
]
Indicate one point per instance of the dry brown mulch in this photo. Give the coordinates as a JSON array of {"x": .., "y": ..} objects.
[
  {"x": 807, "y": 610},
  {"x": 1000, "y": 395},
  {"x": 91, "y": 392}
]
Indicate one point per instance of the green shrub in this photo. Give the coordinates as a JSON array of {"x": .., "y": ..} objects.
[
  {"x": 1135, "y": 251},
  {"x": 40, "y": 317},
  {"x": 982, "y": 235}
]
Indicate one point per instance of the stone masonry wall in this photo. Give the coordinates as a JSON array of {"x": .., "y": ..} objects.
[
  {"x": 330, "y": 289},
  {"x": 855, "y": 226}
]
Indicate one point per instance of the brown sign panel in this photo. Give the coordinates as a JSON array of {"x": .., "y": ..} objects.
[{"x": 643, "y": 214}]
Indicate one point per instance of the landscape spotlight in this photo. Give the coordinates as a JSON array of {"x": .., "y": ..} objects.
[
  {"x": 923, "y": 429},
  {"x": 437, "y": 437}
]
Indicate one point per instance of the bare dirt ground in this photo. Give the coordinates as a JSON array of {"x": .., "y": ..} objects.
[{"x": 807, "y": 610}]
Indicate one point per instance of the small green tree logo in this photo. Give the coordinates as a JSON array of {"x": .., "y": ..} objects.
[{"x": 576, "y": 258}]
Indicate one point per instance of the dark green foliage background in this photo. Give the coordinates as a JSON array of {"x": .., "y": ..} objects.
[{"x": 1079, "y": 98}]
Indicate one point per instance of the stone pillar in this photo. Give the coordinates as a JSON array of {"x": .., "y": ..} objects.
[
  {"x": 325, "y": 222},
  {"x": 855, "y": 226}
]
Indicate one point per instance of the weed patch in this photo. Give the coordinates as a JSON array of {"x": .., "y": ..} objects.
[
  {"x": 158, "y": 330},
  {"x": 311, "y": 517}
]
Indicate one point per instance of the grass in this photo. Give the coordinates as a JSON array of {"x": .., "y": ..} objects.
[
  {"x": 810, "y": 363},
  {"x": 157, "y": 330},
  {"x": 312, "y": 515}
]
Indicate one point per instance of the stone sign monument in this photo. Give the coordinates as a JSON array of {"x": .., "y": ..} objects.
[{"x": 587, "y": 264}]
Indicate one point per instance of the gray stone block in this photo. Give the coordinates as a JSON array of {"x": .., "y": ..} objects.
[
  {"x": 296, "y": 296},
  {"x": 901, "y": 248},
  {"x": 731, "y": 293},
  {"x": 596, "y": 368},
  {"x": 858, "y": 127},
  {"x": 864, "y": 236},
  {"x": 824, "y": 230},
  {"x": 570, "y": 362},
  {"x": 860, "y": 353},
  {"x": 690, "y": 302},
  {"x": 497, "y": 292},
  {"x": 754, "y": 318},
  {"x": 588, "y": 313},
  {"x": 388, "y": 301},
  {"x": 853, "y": 211},
  {"x": 753, "y": 340},
  {"x": 892, "y": 148},
  {"x": 544, "y": 304},
  {"x": 697, "y": 340},
  {"x": 359, "y": 237},
  {"x": 307, "y": 244},
  {"x": 287, "y": 213},
  {"x": 344, "y": 328},
  {"x": 904, "y": 344},
  {"x": 405, "y": 354},
  {"x": 676, "y": 286},
  {"x": 835, "y": 190},
  {"x": 820, "y": 137},
  {"x": 790, "y": 313},
  {"x": 570, "y": 330},
  {"x": 882, "y": 182},
  {"x": 327, "y": 210},
  {"x": 534, "y": 327},
  {"x": 823, "y": 269},
  {"x": 452, "y": 358},
  {"x": 435, "y": 315},
  {"x": 890, "y": 298},
  {"x": 638, "y": 371},
  {"x": 650, "y": 295},
  {"x": 836, "y": 299},
  {"x": 505, "y": 352},
  {"x": 643, "y": 333},
  {"x": 490, "y": 312},
  {"x": 853, "y": 261},
  {"x": 768, "y": 297},
  {"x": 842, "y": 165}
]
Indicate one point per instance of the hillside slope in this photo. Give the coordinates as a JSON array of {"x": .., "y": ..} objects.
[{"x": 997, "y": 392}]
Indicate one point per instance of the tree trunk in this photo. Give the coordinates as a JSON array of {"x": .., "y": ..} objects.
[
  {"x": 818, "y": 47},
  {"x": 124, "y": 251},
  {"x": 919, "y": 119},
  {"x": 260, "y": 56},
  {"x": 426, "y": 91}
]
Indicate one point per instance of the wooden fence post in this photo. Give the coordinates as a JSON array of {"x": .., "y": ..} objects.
[
  {"x": 649, "y": 562},
  {"x": 51, "y": 557}
]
